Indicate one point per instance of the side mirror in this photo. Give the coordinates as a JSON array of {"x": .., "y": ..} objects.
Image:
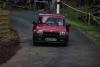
[
  {"x": 34, "y": 22},
  {"x": 68, "y": 25}
]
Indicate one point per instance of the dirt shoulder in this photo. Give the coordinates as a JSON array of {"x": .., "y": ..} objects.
[{"x": 9, "y": 49}]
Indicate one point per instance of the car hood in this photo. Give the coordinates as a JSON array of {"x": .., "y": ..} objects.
[{"x": 51, "y": 28}]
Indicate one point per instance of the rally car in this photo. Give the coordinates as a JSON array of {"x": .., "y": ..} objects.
[{"x": 50, "y": 28}]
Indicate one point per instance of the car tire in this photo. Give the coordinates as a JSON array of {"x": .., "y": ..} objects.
[
  {"x": 66, "y": 42},
  {"x": 34, "y": 43}
]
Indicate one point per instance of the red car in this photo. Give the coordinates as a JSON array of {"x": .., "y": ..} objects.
[{"x": 51, "y": 28}]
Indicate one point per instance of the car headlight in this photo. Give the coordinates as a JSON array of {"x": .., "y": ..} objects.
[
  {"x": 40, "y": 32},
  {"x": 62, "y": 33}
]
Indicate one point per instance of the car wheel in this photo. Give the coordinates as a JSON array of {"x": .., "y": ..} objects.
[
  {"x": 66, "y": 42},
  {"x": 34, "y": 43}
]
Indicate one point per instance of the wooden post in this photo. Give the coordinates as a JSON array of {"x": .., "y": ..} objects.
[
  {"x": 89, "y": 19},
  {"x": 34, "y": 4},
  {"x": 58, "y": 6},
  {"x": 30, "y": 5},
  {"x": 49, "y": 5}
]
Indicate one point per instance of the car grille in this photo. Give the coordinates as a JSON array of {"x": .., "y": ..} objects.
[{"x": 50, "y": 34}]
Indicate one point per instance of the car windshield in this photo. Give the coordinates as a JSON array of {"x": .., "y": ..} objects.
[{"x": 50, "y": 20}]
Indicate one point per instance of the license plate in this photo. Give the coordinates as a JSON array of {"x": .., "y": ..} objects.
[{"x": 50, "y": 39}]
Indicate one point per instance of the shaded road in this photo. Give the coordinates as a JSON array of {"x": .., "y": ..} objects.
[{"x": 81, "y": 52}]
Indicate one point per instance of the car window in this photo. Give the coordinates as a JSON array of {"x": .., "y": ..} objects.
[
  {"x": 44, "y": 19},
  {"x": 50, "y": 20}
]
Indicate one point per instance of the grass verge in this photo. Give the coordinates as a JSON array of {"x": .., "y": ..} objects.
[
  {"x": 91, "y": 31},
  {"x": 9, "y": 39}
]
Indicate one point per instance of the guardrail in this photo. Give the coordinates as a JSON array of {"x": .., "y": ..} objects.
[
  {"x": 4, "y": 23},
  {"x": 89, "y": 14}
]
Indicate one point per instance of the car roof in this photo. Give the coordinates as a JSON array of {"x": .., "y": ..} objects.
[{"x": 53, "y": 15}]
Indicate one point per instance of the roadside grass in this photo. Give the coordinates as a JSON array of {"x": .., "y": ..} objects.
[
  {"x": 5, "y": 32},
  {"x": 91, "y": 31},
  {"x": 9, "y": 39}
]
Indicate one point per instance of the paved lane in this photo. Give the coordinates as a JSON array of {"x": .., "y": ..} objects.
[{"x": 81, "y": 52}]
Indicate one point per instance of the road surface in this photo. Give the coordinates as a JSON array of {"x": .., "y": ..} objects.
[{"x": 80, "y": 52}]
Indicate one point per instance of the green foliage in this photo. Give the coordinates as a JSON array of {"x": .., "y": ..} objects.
[
  {"x": 69, "y": 11},
  {"x": 5, "y": 33},
  {"x": 90, "y": 30}
]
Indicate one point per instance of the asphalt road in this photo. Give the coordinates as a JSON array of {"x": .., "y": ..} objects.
[{"x": 80, "y": 52}]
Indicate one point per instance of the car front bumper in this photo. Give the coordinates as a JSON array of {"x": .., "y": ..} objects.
[{"x": 42, "y": 39}]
